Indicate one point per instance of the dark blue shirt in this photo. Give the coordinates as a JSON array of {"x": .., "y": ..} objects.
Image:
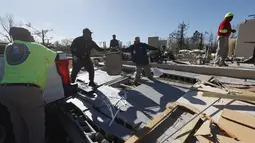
[
  {"x": 82, "y": 48},
  {"x": 139, "y": 53}
]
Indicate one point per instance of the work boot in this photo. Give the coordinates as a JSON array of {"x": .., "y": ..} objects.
[
  {"x": 150, "y": 78},
  {"x": 92, "y": 84},
  {"x": 224, "y": 64},
  {"x": 135, "y": 83},
  {"x": 220, "y": 64}
]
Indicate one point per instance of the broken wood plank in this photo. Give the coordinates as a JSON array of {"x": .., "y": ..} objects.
[
  {"x": 204, "y": 129},
  {"x": 238, "y": 96},
  {"x": 147, "y": 129},
  {"x": 220, "y": 139},
  {"x": 244, "y": 119},
  {"x": 186, "y": 130},
  {"x": 238, "y": 125},
  {"x": 219, "y": 126}
]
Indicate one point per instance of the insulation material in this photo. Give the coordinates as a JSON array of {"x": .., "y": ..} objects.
[
  {"x": 113, "y": 63},
  {"x": 241, "y": 125},
  {"x": 246, "y": 33}
]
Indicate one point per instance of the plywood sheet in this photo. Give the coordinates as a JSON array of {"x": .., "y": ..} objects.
[
  {"x": 204, "y": 129},
  {"x": 244, "y": 133},
  {"x": 220, "y": 139},
  {"x": 245, "y": 119},
  {"x": 197, "y": 100}
]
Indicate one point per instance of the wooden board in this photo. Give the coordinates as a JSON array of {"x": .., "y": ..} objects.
[
  {"x": 158, "y": 119},
  {"x": 239, "y": 117},
  {"x": 220, "y": 139},
  {"x": 147, "y": 129},
  {"x": 238, "y": 125},
  {"x": 186, "y": 130}
]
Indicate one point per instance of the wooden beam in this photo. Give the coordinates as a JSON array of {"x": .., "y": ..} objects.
[
  {"x": 159, "y": 118},
  {"x": 237, "y": 96},
  {"x": 148, "y": 128}
]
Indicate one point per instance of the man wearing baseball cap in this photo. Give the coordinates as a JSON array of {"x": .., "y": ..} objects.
[
  {"x": 139, "y": 56},
  {"x": 224, "y": 31},
  {"x": 25, "y": 73},
  {"x": 81, "y": 50},
  {"x": 114, "y": 43}
]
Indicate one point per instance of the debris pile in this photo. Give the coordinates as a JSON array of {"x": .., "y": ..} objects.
[{"x": 219, "y": 115}]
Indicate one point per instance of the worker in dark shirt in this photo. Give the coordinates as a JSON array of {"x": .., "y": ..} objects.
[
  {"x": 81, "y": 49},
  {"x": 114, "y": 43},
  {"x": 139, "y": 56},
  {"x": 224, "y": 31}
]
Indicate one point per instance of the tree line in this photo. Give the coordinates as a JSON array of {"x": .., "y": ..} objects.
[{"x": 177, "y": 39}]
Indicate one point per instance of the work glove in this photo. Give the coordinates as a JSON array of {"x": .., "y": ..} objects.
[
  {"x": 219, "y": 38},
  {"x": 75, "y": 58},
  {"x": 233, "y": 31}
]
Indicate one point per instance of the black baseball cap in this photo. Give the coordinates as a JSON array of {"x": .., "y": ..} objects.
[
  {"x": 86, "y": 30},
  {"x": 19, "y": 31}
]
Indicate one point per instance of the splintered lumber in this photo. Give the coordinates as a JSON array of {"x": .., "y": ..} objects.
[
  {"x": 219, "y": 126},
  {"x": 148, "y": 128},
  {"x": 236, "y": 96},
  {"x": 198, "y": 114}
]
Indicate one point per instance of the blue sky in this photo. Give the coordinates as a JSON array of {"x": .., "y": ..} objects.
[{"x": 125, "y": 18}]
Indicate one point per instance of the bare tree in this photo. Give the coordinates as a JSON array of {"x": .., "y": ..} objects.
[
  {"x": 202, "y": 38},
  {"x": 6, "y": 23},
  {"x": 211, "y": 39},
  {"x": 179, "y": 35},
  {"x": 66, "y": 42},
  {"x": 41, "y": 34}
]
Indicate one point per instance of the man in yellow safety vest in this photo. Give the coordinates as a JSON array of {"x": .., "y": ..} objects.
[{"x": 25, "y": 73}]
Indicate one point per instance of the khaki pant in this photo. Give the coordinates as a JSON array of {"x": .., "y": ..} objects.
[
  {"x": 26, "y": 107},
  {"x": 222, "y": 50},
  {"x": 147, "y": 71}
]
